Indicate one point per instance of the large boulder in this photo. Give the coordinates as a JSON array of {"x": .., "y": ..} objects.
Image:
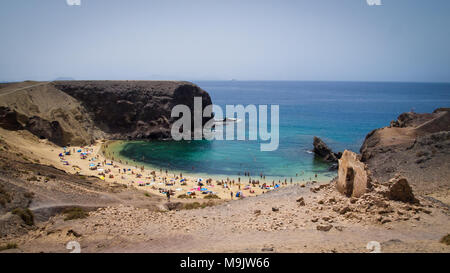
[
  {"x": 353, "y": 177},
  {"x": 400, "y": 190}
]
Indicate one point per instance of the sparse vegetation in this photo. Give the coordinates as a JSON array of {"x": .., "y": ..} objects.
[
  {"x": 211, "y": 196},
  {"x": 25, "y": 214},
  {"x": 197, "y": 205},
  {"x": 446, "y": 239},
  {"x": 421, "y": 153},
  {"x": 184, "y": 196},
  {"x": 33, "y": 178},
  {"x": 51, "y": 176},
  {"x": 28, "y": 195},
  {"x": 75, "y": 213},
  {"x": 5, "y": 197},
  {"x": 8, "y": 246},
  {"x": 194, "y": 205}
]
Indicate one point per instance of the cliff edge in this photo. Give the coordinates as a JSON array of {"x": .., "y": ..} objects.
[{"x": 79, "y": 112}]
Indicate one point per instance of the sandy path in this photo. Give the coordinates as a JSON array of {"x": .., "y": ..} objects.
[{"x": 8, "y": 91}]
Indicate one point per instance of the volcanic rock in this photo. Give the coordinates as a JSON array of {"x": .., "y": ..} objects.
[
  {"x": 135, "y": 109},
  {"x": 81, "y": 112},
  {"x": 321, "y": 149},
  {"x": 46, "y": 129},
  {"x": 9, "y": 119}
]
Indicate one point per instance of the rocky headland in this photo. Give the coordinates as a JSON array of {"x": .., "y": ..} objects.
[{"x": 80, "y": 112}]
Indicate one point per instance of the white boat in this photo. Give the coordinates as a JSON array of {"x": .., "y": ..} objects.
[{"x": 227, "y": 120}]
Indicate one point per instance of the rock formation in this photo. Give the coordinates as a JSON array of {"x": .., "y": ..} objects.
[
  {"x": 50, "y": 130},
  {"x": 9, "y": 119},
  {"x": 400, "y": 190},
  {"x": 79, "y": 112},
  {"x": 134, "y": 109},
  {"x": 325, "y": 153},
  {"x": 353, "y": 178},
  {"x": 321, "y": 149}
]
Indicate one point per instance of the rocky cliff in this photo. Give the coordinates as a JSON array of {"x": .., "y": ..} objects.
[
  {"x": 79, "y": 112},
  {"x": 416, "y": 146}
]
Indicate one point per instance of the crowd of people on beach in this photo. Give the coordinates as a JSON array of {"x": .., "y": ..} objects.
[{"x": 163, "y": 183}]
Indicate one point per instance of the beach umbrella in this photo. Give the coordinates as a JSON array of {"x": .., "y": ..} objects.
[{"x": 92, "y": 165}]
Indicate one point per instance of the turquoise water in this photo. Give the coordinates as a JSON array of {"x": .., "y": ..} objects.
[{"x": 341, "y": 113}]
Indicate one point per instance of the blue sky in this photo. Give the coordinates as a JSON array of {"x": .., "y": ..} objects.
[{"x": 345, "y": 40}]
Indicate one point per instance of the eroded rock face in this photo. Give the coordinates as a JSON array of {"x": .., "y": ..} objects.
[
  {"x": 134, "y": 109},
  {"x": 50, "y": 130},
  {"x": 86, "y": 111},
  {"x": 353, "y": 177},
  {"x": 9, "y": 119}
]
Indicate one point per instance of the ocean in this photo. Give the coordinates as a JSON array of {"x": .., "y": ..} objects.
[{"x": 341, "y": 113}]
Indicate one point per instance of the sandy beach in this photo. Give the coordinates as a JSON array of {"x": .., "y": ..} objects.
[{"x": 91, "y": 161}]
